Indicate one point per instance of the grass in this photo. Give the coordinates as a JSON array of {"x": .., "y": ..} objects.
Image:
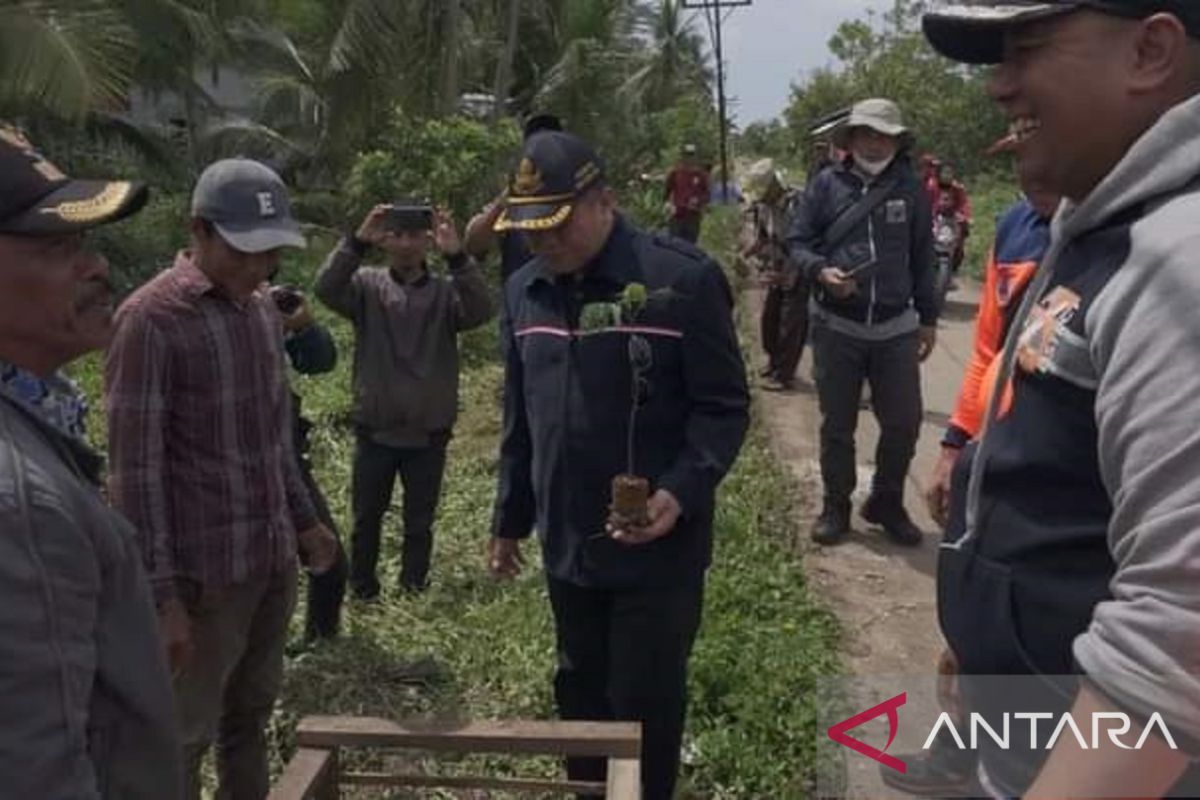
[{"x": 473, "y": 648}]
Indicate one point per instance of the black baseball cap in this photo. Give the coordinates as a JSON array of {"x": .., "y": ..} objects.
[
  {"x": 973, "y": 32},
  {"x": 37, "y": 199},
  {"x": 541, "y": 122},
  {"x": 555, "y": 169}
]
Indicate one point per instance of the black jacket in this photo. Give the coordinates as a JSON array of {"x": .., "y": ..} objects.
[
  {"x": 312, "y": 351},
  {"x": 897, "y": 235},
  {"x": 568, "y": 394}
]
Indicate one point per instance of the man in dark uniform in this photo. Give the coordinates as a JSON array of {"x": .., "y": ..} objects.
[
  {"x": 311, "y": 350},
  {"x": 581, "y": 352}
]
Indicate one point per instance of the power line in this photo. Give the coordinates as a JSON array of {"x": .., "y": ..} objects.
[{"x": 712, "y": 15}]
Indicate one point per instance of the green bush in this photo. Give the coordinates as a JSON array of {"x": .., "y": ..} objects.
[
  {"x": 991, "y": 195},
  {"x": 642, "y": 203},
  {"x": 141, "y": 246},
  {"x": 455, "y": 162},
  {"x": 326, "y": 209}
]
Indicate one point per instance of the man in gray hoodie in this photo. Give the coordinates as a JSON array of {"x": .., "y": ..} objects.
[
  {"x": 1078, "y": 548},
  {"x": 406, "y": 324},
  {"x": 84, "y": 690}
]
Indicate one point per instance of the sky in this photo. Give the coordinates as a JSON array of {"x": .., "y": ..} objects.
[{"x": 772, "y": 43}]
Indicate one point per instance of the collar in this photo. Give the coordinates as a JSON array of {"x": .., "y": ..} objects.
[
  {"x": 421, "y": 280},
  {"x": 190, "y": 278},
  {"x": 55, "y": 400},
  {"x": 195, "y": 284},
  {"x": 615, "y": 264}
]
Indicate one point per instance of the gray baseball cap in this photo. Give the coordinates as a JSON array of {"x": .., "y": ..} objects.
[{"x": 248, "y": 205}]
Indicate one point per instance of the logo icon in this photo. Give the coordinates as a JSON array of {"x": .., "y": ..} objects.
[
  {"x": 838, "y": 732},
  {"x": 266, "y": 204},
  {"x": 528, "y": 179}
]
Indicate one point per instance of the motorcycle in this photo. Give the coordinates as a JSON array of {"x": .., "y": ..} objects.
[{"x": 947, "y": 240}]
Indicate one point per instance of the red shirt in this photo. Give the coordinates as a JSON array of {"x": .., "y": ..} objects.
[
  {"x": 959, "y": 203},
  {"x": 687, "y": 189}
]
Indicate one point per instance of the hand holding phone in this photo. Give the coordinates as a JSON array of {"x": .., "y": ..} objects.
[
  {"x": 839, "y": 283},
  {"x": 375, "y": 226}
]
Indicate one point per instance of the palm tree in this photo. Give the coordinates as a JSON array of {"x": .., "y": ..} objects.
[
  {"x": 78, "y": 61},
  {"x": 676, "y": 64},
  {"x": 593, "y": 48},
  {"x": 65, "y": 58}
]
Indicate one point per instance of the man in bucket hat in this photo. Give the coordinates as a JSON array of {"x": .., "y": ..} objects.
[
  {"x": 582, "y": 355},
  {"x": 1075, "y": 553},
  {"x": 85, "y": 693},
  {"x": 203, "y": 464},
  {"x": 862, "y": 235},
  {"x": 783, "y": 325}
]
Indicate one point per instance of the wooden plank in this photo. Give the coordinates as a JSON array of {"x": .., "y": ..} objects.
[
  {"x": 468, "y": 782},
  {"x": 624, "y": 779},
  {"x": 310, "y": 775},
  {"x": 618, "y": 739}
]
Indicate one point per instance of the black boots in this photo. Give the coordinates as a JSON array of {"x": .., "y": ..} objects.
[
  {"x": 887, "y": 510},
  {"x": 834, "y": 523},
  {"x": 415, "y": 554}
]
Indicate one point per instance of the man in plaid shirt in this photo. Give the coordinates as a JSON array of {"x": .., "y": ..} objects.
[{"x": 203, "y": 464}]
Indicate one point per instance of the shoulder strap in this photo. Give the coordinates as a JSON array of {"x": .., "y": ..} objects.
[{"x": 853, "y": 215}]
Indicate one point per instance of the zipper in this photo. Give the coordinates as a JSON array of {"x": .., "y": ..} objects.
[
  {"x": 572, "y": 295},
  {"x": 871, "y": 243}
]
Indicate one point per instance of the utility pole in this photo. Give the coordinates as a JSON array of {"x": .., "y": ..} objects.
[{"x": 717, "y": 6}]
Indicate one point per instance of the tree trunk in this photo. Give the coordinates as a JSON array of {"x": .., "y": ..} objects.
[
  {"x": 504, "y": 67},
  {"x": 450, "y": 65}
]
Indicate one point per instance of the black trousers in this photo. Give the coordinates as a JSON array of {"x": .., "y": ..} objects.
[
  {"x": 622, "y": 655},
  {"x": 893, "y": 371},
  {"x": 375, "y": 470},
  {"x": 323, "y": 611},
  {"x": 686, "y": 227},
  {"x": 784, "y": 329}
]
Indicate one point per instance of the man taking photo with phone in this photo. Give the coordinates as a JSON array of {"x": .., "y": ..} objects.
[{"x": 406, "y": 323}]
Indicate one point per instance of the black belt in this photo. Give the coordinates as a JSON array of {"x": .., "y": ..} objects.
[{"x": 878, "y": 314}]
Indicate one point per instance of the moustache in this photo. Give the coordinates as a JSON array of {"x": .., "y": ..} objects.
[{"x": 97, "y": 292}]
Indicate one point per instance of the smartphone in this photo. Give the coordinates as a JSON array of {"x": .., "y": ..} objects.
[
  {"x": 409, "y": 218},
  {"x": 287, "y": 299},
  {"x": 858, "y": 268}
]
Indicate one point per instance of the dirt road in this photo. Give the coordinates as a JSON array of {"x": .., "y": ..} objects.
[{"x": 883, "y": 594}]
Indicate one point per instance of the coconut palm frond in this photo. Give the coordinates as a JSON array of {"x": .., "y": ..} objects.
[{"x": 68, "y": 58}]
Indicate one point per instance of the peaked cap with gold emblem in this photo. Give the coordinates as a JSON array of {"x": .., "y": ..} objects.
[
  {"x": 554, "y": 170},
  {"x": 37, "y": 199}
]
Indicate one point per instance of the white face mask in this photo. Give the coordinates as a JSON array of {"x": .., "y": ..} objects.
[{"x": 872, "y": 168}]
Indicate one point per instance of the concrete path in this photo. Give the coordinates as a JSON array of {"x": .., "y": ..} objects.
[{"x": 883, "y": 595}]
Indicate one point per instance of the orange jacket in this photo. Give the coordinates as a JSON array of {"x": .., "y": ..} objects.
[{"x": 1021, "y": 240}]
